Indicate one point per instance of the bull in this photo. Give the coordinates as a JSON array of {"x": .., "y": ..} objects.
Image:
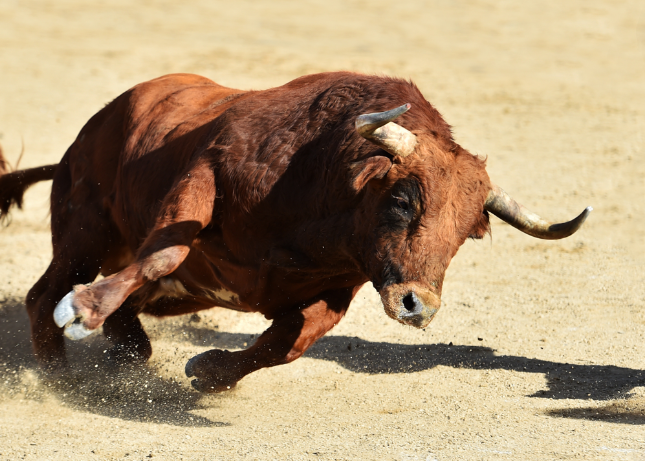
[{"x": 186, "y": 195}]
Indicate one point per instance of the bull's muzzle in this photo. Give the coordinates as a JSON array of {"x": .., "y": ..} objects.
[{"x": 410, "y": 303}]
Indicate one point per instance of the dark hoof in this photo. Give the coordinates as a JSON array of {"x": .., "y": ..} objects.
[{"x": 214, "y": 371}]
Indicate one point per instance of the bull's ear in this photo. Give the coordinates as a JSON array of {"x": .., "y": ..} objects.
[{"x": 371, "y": 168}]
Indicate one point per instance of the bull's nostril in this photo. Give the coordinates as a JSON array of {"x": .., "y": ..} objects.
[{"x": 410, "y": 303}]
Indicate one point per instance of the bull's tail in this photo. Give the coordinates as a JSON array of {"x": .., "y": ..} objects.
[{"x": 14, "y": 184}]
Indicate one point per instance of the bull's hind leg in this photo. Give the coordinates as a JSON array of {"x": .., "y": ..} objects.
[
  {"x": 80, "y": 239},
  {"x": 288, "y": 338},
  {"x": 46, "y": 338},
  {"x": 73, "y": 263}
]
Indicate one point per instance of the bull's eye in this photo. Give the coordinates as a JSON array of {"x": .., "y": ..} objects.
[{"x": 402, "y": 203}]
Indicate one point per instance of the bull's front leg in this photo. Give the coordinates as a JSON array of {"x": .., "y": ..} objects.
[
  {"x": 186, "y": 210},
  {"x": 290, "y": 335}
]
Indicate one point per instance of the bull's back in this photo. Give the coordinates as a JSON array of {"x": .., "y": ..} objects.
[{"x": 127, "y": 157}]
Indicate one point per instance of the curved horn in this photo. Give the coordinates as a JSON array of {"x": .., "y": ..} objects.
[
  {"x": 379, "y": 129},
  {"x": 505, "y": 208}
]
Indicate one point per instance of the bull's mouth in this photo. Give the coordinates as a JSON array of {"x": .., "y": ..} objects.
[{"x": 410, "y": 304}]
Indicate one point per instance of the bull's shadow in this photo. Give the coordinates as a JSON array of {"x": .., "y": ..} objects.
[{"x": 564, "y": 380}]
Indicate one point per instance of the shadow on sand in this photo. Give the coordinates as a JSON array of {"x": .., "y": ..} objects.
[
  {"x": 564, "y": 380},
  {"x": 139, "y": 393}
]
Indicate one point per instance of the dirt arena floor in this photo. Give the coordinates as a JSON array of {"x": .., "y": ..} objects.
[{"x": 537, "y": 352}]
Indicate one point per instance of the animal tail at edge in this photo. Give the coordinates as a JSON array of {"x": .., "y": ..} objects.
[{"x": 13, "y": 184}]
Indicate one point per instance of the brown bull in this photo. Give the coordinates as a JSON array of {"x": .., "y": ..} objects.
[{"x": 187, "y": 195}]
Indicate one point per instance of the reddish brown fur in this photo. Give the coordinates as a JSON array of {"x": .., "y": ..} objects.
[{"x": 270, "y": 195}]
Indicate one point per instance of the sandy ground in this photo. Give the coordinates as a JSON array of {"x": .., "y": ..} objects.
[{"x": 538, "y": 350}]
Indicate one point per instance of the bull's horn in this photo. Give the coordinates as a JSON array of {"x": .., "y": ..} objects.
[
  {"x": 505, "y": 208},
  {"x": 379, "y": 129}
]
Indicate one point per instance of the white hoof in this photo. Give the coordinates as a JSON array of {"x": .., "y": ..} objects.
[
  {"x": 64, "y": 312},
  {"x": 64, "y": 316}
]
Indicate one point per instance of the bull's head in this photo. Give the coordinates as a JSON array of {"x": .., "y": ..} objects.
[{"x": 429, "y": 197}]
